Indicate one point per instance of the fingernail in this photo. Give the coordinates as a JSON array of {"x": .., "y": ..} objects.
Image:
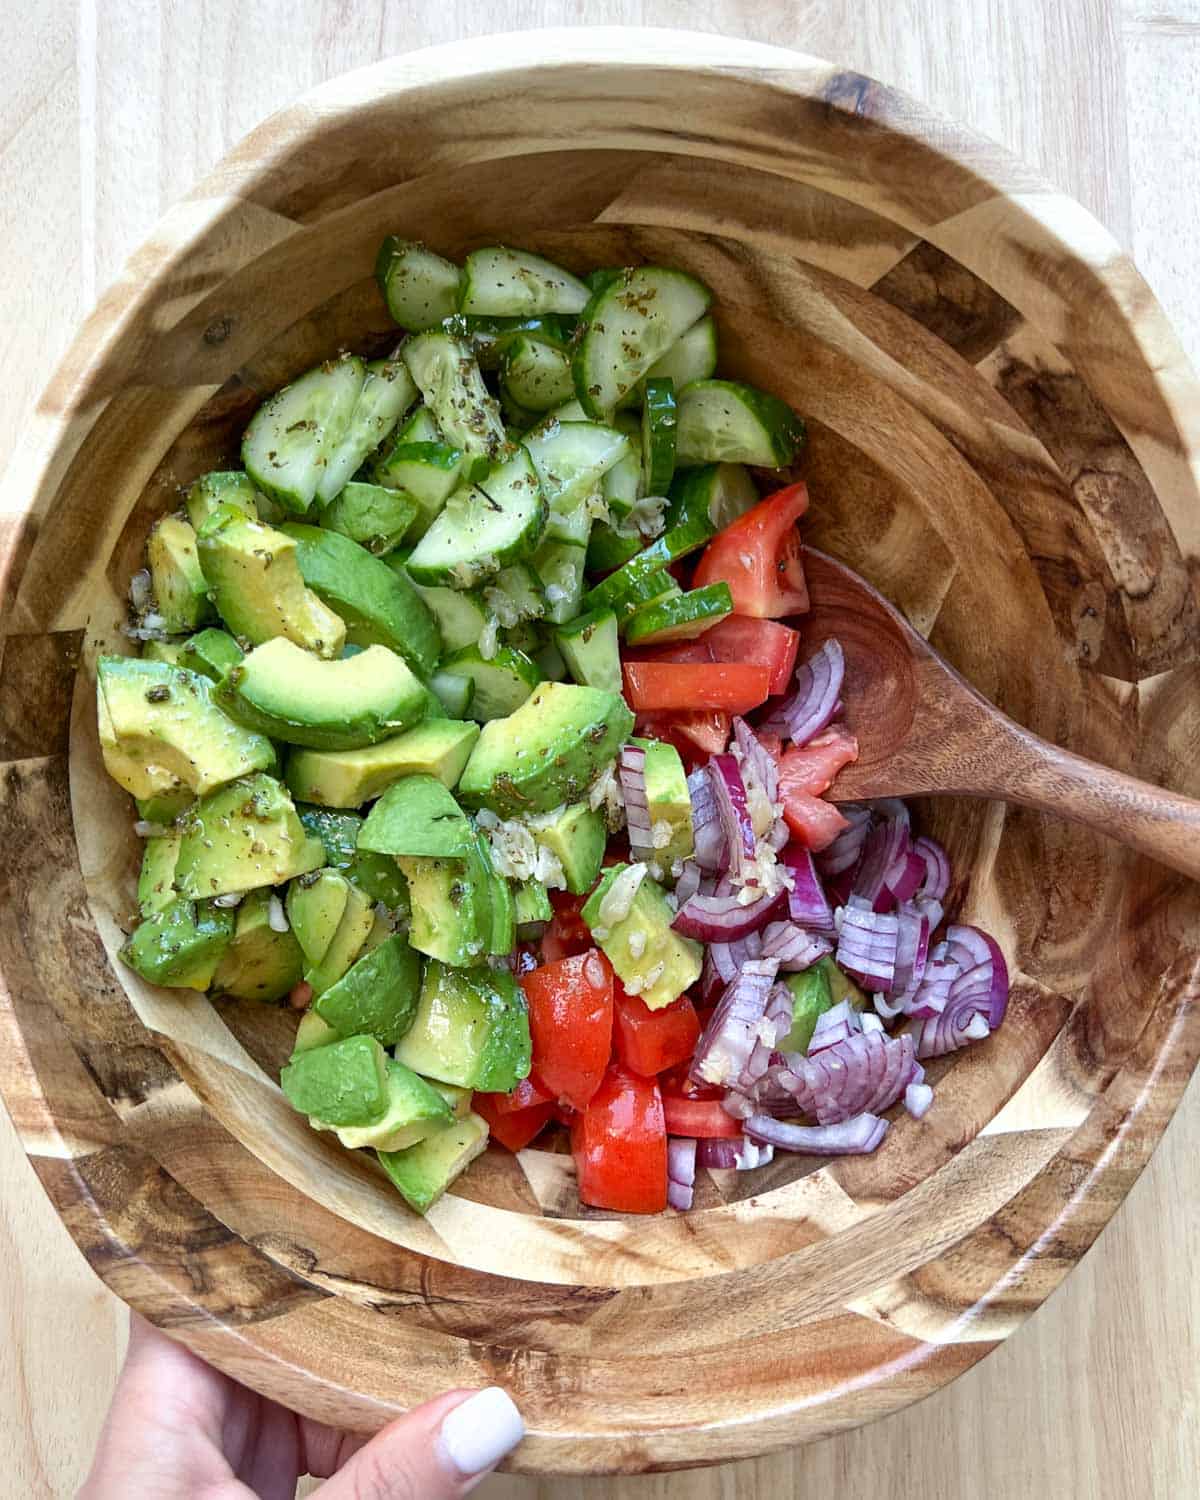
[{"x": 481, "y": 1431}]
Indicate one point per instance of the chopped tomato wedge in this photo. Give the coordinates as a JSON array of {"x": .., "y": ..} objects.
[
  {"x": 815, "y": 822},
  {"x": 743, "y": 638},
  {"x": 647, "y": 1041},
  {"x": 811, "y": 768},
  {"x": 705, "y": 1118},
  {"x": 517, "y": 1117},
  {"x": 694, "y": 735},
  {"x": 570, "y": 1025},
  {"x": 568, "y": 934},
  {"x": 620, "y": 1145},
  {"x": 760, "y": 557},
  {"x": 692, "y": 651},
  {"x": 734, "y": 687}
]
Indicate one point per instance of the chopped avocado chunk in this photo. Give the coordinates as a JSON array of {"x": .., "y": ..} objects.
[
  {"x": 501, "y": 682},
  {"x": 348, "y": 941},
  {"x": 254, "y": 574},
  {"x": 288, "y": 694},
  {"x": 533, "y": 911},
  {"x": 344, "y": 1083},
  {"x": 415, "y": 1109},
  {"x": 160, "y": 730},
  {"x": 811, "y": 997},
  {"x": 244, "y": 836},
  {"x": 471, "y": 1029},
  {"x": 451, "y": 907},
  {"x": 156, "y": 883},
  {"x": 167, "y": 651},
  {"x": 841, "y": 987},
  {"x": 180, "y": 588},
  {"x": 460, "y": 613},
  {"x": 228, "y": 487},
  {"x": 547, "y": 752},
  {"x": 577, "y": 836},
  {"x": 590, "y": 649},
  {"x": 181, "y": 945},
  {"x": 417, "y": 816},
  {"x": 375, "y": 517},
  {"x": 670, "y": 803},
  {"x": 458, "y": 1099},
  {"x": 316, "y": 904},
  {"x": 313, "y": 1032},
  {"x": 166, "y": 807},
  {"x": 379, "y": 605},
  {"x": 424, "y": 1172},
  {"x": 211, "y": 652},
  {"x": 260, "y": 963},
  {"x": 348, "y": 778},
  {"x": 376, "y": 875},
  {"x": 650, "y": 958},
  {"x": 377, "y": 996}
]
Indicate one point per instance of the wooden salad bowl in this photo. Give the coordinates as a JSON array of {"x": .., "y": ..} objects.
[{"x": 1003, "y": 440}]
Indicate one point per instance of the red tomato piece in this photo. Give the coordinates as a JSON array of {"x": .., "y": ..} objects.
[
  {"x": 513, "y": 1124},
  {"x": 567, "y": 934},
  {"x": 760, "y": 557},
  {"x": 705, "y": 1118},
  {"x": 743, "y": 638},
  {"x": 733, "y": 687},
  {"x": 695, "y": 735},
  {"x": 647, "y": 1041},
  {"x": 620, "y": 1146},
  {"x": 815, "y": 822},
  {"x": 811, "y": 768},
  {"x": 686, "y": 651},
  {"x": 570, "y": 1024}
]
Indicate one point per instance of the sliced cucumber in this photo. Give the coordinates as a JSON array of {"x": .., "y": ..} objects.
[
  {"x": 679, "y": 617},
  {"x": 502, "y": 682},
  {"x": 560, "y": 567},
  {"x": 483, "y": 528},
  {"x": 460, "y": 614},
  {"x": 631, "y": 586},
  {"x": 608, "y": 549},
  {"x": 461, "y": 405},
  {"x": 293, "y": 434},
  {"x": 569, "y": 411},
  {"x": 722, "y": 421},
  {"x": 419, "y": 287},
  {"x": 548, "y": 659},
  {"x": 590, "y": 648},
  {"x": 603, "y": 276},
  {"x": 533, "y": 911},
  {"x": 490, "y": 338},
  {"x": 693, "y": 356},
  {"x": 574, "y": 526},
  {"x": 428, "y": 473},
  {"x": 536, "y": 376},
  {"x": 387, "y": 393},
  {"x": 516, "y": 594},
  {"x": 628, "y": 325},
  {"x": 454, "y": 692},
  {"x": 571, "y": 458},
  {"x": 658, "y": 435},
  {"x": 497, "y": 281},
  {"x": 622, "y": 486},
  {"x": 707, "y": 499}
]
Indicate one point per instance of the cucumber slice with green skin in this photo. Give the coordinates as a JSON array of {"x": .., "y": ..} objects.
[
  {"x": 722, "y": 421},
  {"x": 387, "y": 393},
  {"x": 460, "y": 614},
  {"x": 532, "y": 910},
  {"x": 375, "y": 517},
  {"x": 548, "y": 659},
  {"x": 591, "y": 650},
  {"x": 571, "y": 458},
  {"x": 536, "y": 376},
  {"x": 573, "y": 526},
  {"x": 658, "y": 436},
  {"x": 603, "y": 276},
  {"x": 608, "y": 550},
  {"x": 454, "y": 692},
  {"x": 693, "y": 356},
  {"x": 482, "y": 529},
  {"x": 292, "y": 435},
  {"x": 428, "y": 472},
  {"x": 628, "y": 325},
  {"x": 680, "y": 617},
  {"x": 502, "y": 683},
  {"x": 419, "y": 286},
  {"x": 630, "y": 587},
  {"x": 490, "y": 338},
  {"x": 560, "y": 567},
  {"x": 462, "y": 406},
  {"x": 622, "y": 486},
  {"x": 569, "y": 411},
  {"x": 707, "y": 499},
  {"x": 499, "y": 282},
  {"x": 518, "y": 420}
]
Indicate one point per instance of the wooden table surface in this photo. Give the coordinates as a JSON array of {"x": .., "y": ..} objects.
[{"x": 111, "y": 109}]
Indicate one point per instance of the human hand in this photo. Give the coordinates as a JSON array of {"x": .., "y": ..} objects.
[{"x": 180, "y": 1430}]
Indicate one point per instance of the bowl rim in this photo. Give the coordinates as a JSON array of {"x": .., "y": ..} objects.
[{"x": 75, "y": 395}]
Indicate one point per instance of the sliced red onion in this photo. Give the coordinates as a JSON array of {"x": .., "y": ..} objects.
[
  {"x": 681, "y": 1172},
  {"x": 792, "y": 946},
  {"x": 724, "y": 919},
  {"x": 917, "y": 1099},
  {"x": 723, "y": 1051},
  {"x": 689, "y": 881},
  {"x": 778, "y": 834},
  {"x": 856, "y": 1137},
  {"x": 931, "y": 909},
  {"x": 937, "y": 868},
  {"x": 934, "y": 989},
  {"x": 867, "y": 946},
  {"x": 912, "y": 950},
  {"x": 631, "y": 769},
  {"x": 886, "y": 844},
  {"x": 904, "y": 879},
  {"x": 738, "y": 1105},
  {"x": 833, "y": 1025},
  {"x": 712, "y": 848},
  {"x": 730, "y": 1153},
  {"x": 757, "y": 759},
  {"x": 978, "y": 997},
  {"x": 846, "y": 850},
  {"x": 807, "y": 903},
  {"x": 729, "y": 791},
  {"x": 866, "y": 1070},
  {"x": 818, "y": 690}
]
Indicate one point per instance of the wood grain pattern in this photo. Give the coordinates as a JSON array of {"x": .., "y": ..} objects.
[{"x": 1056, "y": 948}]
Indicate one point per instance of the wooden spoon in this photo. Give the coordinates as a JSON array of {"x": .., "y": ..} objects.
[{"x": 924, "y": 731}]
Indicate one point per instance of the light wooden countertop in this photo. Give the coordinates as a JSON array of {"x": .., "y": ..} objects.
[{"x": 111, "y": 109}]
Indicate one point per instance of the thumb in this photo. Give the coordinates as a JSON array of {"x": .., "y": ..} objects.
[{"x": 437, "y": 1452}]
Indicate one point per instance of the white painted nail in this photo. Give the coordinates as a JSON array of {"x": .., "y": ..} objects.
[{"x": 481, "y": 1431}]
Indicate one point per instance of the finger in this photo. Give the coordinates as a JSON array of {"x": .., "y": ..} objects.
[{"x": 437, "y": 1452}]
